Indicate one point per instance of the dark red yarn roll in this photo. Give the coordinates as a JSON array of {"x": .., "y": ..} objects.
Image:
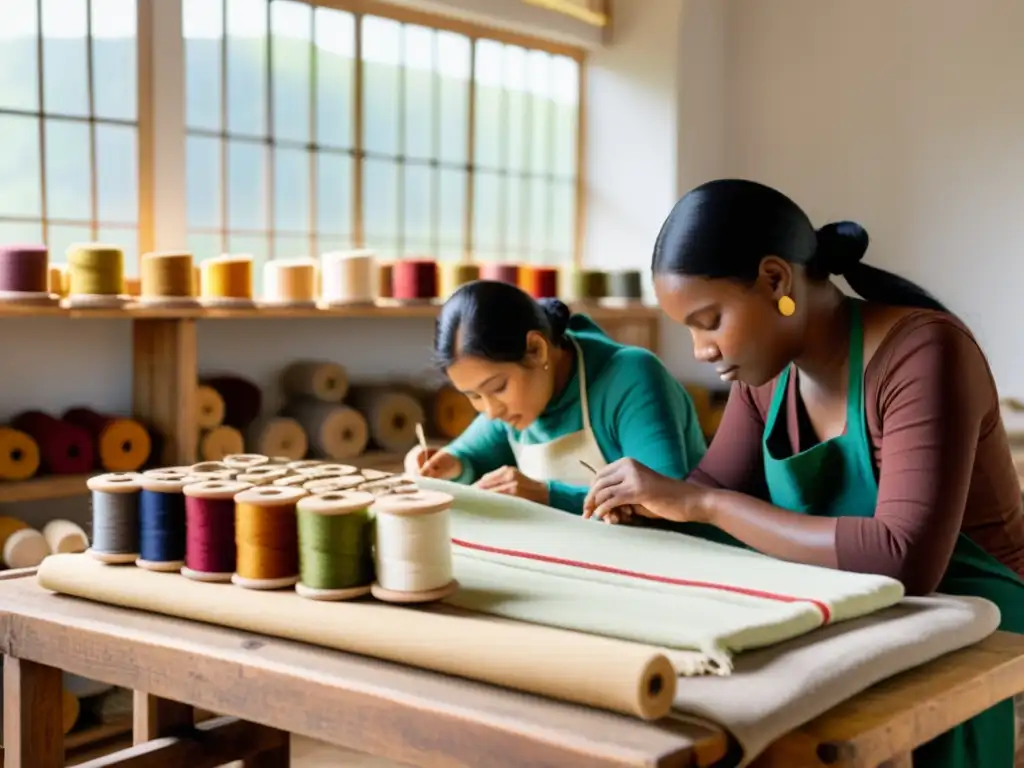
[
  {"x": 242, "y": 400},
  {"x": 414, "y": 279},
  {"x": 24, "y": 268},
  {"x": 503, "y": 273},
  {"x": 539, "y": 282},
  {"x": 64, "y": 449},
  {"x": 210, "y": 535}
]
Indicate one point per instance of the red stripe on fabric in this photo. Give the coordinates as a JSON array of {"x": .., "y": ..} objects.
[{"x": 826, "y": 612}]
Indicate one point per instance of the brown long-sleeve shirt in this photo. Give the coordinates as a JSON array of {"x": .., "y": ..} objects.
[{"x": 941, "y": 454}]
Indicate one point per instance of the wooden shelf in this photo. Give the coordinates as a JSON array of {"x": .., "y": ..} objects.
[{"x": 47, "y": 487}]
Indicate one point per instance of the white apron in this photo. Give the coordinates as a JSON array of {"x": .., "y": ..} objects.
[{"x": 560, "y": 459}]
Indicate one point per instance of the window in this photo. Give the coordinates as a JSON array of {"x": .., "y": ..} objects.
[
  {"x": 68, "y": 123},
  {"x": 313, "y": 128}
]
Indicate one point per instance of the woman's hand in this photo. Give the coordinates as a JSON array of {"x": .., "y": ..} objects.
[
  {"x": 511, "y": 482},
  {"x": 626, "y": 487},
  {"x": 432, "y": 462}
]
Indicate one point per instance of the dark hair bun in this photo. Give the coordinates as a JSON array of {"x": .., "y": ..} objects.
[
  {"x": 841, "y": 246},
  {"x": 558, "y": 316}
]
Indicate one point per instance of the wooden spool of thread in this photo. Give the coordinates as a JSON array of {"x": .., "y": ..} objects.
[
  {"x": 502, "y": 273},
  {"x": 625, "y": 287},
  {"x": 414, "y": 280},
  {"x": 451, "y": 412},
  {"x": 243, "y": 400},
  {"x": 244, "y": 461},
  {"x": 25, "y": 276},
  {"x": 208, "y": 467},
  {"x": 162, "y": 521},
  {"x": 391, "y": 415},
  {"x": 587, "y": 285},
  {"x": 334, "y": 431},
  {"x": 413, "y": 547},
  {"x": 227, "y": 282},
  {"x": 21, "y": 546},
  {"x": 209, "y": 407},
  {"x": 279, "y": 436},
  {"x": 115, "y": 517},
  {"x": 374, "y": 474},
  {"x": 291, "y": 480},
  {"x": 329, "y": 484},
  {"x": 267, "y": 537},
  {"x": 19, "y": 455},
  {"x": 122, "y": 445},
  {"x": 96, "y": 276},
  {"x": 539, "y": 282},
  {"x": 216, "y": 443},
  {"x": 335, "y": 545},
  {"x": 315, "y": 379},
  {"x": 349, "y": 278},
  {"x": 65, "y": 536},
  {"x": 265, "y": 475},
  {"x": 289, "y": 283},
  {"x": 330, "y": 472},
  {"x": 385, "y": 279},
  {"x": 58, "y": 281},
  {"x": 304, "y": 466},
  {"x": 64, "y": 448},
  {"x": 455, "y": 274},
  {"x": 167, "y": 279},
  {"x": 210, "y": 529}
]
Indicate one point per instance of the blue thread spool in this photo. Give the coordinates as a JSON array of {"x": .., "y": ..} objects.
[{"x": 162, "y": 520}]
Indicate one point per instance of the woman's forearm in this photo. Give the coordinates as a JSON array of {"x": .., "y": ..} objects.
[{"x": 771, "y": 530}]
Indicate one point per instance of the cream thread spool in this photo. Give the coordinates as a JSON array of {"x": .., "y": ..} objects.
[
  {"x": 226, "y": 282},
  {"x": 289, "y": 283},
  {"x": 95, "y": 277},
  {"x": 115, "y": 517},
  {"x": 65, "y": 536},
  {"x": 167, "y": 278},
  {"x": 413, "y": 547},
  {"x": 316, "y": 379},
  {"x": 348, "y": 278},
  {"x": 279, "y": 435},
  {"x": 330, "y": 505}
]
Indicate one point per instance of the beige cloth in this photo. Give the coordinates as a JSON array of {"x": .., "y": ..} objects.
[{"x": 698, "y": 615}]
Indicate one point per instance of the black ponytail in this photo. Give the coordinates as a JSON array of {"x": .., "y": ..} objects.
[
  {"x": 724, "y": 228},
  {"x": 490, "y": 319}
]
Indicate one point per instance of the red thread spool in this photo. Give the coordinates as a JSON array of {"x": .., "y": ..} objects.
[
  {"x": 210, "y": 552},
  {"x": 503, "y": 273},
  {"x": 539, "y": 282},
  {"x": 414, "y": 280},
  {"x": 65, "y": 449},
  {"x": 243, "y": 400}
]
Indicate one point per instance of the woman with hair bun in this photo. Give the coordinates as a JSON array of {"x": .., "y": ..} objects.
[
  {"x": 558, "y": 400},
  {"x": 862, "y": 433}
]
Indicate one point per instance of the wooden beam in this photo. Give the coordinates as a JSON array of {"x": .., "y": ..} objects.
[{"x": 33, "y": 715}]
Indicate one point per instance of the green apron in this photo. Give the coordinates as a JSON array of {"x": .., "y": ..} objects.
[{"x": 836, "y": 478}]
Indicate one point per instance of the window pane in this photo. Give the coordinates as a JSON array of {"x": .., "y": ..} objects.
[
  {"x": 540, "y": 112},
  {"x": 489, "y": 128},
  {"x": 65, "y": 75},
  {"x": 419, "y": 198},
  {"x": 516, "y": 122},
  {"x": 290, "y": 247},
  {"x": 335, "y": 50},
  {"x": 420, "y": 82},
  {"x": 68, "y": 177},
  {"x": 515, "y": 232},
  {"x": 563, "y": 216},
  {"x": 203, "y": 182},
  {"x": 127, "y": 241},
  {"x": 452, "y": 207},
  {"x": 486, "y": 213},
  {"x": 246, "y": 185},
  {"x": 291, "y": 190},
  {"x": 21, "y": 232},
  {"x": 565, "y": 99},
  {"x": 381, "y": 52},
  {"x": 334, "y": 194},
  {"x": 60, "y": 238},
  {"x": 453, "y": 64},
  {"x": 332, "y": 243},
  {"x": 19, "y": 75},
  {"x": 113, "y": 58},
  {"x": 291, "y": 27},
  {"x": 203, "y": 246},
  {"x": 380, "y": 200},
  {"x": 247, "y": 65},
  {"x": 537, "y": 227},
  {"x": 203, "y": 28},
  {"x": 21, "y": 192},
  {"x": 116, "y": 176}
]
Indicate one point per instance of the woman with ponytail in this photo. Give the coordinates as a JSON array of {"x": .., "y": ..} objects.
[
  {"x": 558, "y": 399},
  {"x": 861, "y": 433}
]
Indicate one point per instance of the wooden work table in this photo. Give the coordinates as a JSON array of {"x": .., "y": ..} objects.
[{"x": 268, "y": 689}]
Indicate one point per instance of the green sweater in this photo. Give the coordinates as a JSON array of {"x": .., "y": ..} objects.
[{"x": 637, "y": 410}]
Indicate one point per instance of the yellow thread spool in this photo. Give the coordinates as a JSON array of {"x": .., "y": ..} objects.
[
  {"x": 95, "y": 276},
  {"x": 267, "y": 537},
  {"x": 58, "y": 282},
  {"x": 455, "y": 274},
  {"x": 227, "y": 282},
  {"x": 167, "y": 279},
  {"x": 289, "y": 283}
]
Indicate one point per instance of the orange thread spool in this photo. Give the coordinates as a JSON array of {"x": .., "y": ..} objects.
[
  {"x": 539, "y": 282},
  {"x": 267, "y": 537}
]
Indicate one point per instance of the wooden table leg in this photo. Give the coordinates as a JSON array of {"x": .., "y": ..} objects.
[
  {"x": 33, "y": 715},
  {"x": 278, "y": 757},
  {"x": 153, "y": 717}
]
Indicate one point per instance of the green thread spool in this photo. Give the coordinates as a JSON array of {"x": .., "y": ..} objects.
[
  {"x": 625, "y": 287},
  {"x": 335, "y": 545},
  {"x": 588, "y": 284}
]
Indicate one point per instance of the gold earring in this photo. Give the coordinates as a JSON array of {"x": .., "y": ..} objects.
[
  {"x": 545, "y": 366},
  {"x": 786, "y": 306}
]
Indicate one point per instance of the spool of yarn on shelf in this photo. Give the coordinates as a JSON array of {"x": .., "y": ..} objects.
[
  {"x": 391, "y": 415},
  {"x": 451, "y": 412},
  {"x": 95, "y": 276},
  {"x": 279, "y": 436},
  {"x": 348, "y": 278},
  {"x": 226, "y": 282},
  {"x": 585, "y": 285},
  {"x": 121, "y": 445},
  {"x": 539, "y": 282},
  {"x": 209, "y": 407},
  {"x": 64, "y": 448},
  {"x": 242, "y": 399},
  {"x": 502, "y": 273},
  {"x": 21, "y": 546},
  {"x": 413, "y": 547},
  {"x": 167, "y": 279},
  {"x": 334, "y": 431},
  {"x": 216, "y": 443},
  {"x": 115, "y": 517},
  {"x": 25, "y": 276},
  {"x": 267, "y": 538},
  {"x": 19, "y": 455},
  {"x": 455, "y": 274},
  {"x": 335, "y": 551},
  {"x": 132, "y": 287},
  {"x": 210, "y": 529},
  {"x": 58, "y": 280},
  {"x": 385, "y": 279},
  {"x": 625, "y": 287},
  {"x": 162, "y": 521},
  {"x": 289, "y": 283},
  {"x": 65, "y": 536},
  {"x": 414, "y": 281},
  {"x": 315, "y": 379}
]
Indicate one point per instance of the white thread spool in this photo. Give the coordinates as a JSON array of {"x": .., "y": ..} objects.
[
  {"x": 348, "y": 278},
  {"x": 413, "y": 547},
  {"x": 289, "y": 283},
  {"x": 115, "y": 517}
]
